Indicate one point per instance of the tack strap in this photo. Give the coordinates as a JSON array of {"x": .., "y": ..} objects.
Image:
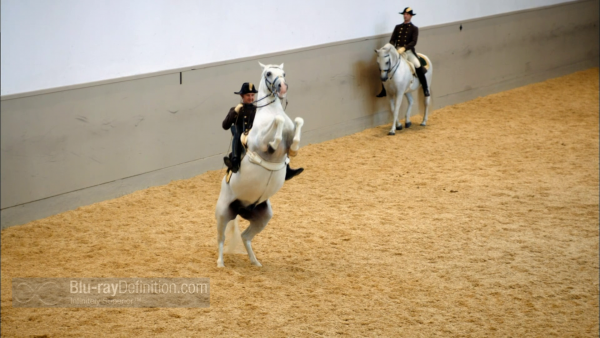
[{"x": 271, "y": 166}]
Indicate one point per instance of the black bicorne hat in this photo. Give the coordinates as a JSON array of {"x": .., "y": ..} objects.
[
  {"x": 247, "y": 88},
  {"x": 408, "y": 10}
]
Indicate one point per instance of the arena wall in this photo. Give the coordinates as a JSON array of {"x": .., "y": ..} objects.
[
  {"x": 89, "y": 143},
  {"x": 57, "y": 44}
]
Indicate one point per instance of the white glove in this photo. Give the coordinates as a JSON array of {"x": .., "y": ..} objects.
[
  {"x": 401, "y": 50},
  {"x": 238, "y": 107}
]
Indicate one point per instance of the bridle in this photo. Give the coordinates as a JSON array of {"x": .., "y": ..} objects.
[
  {"x": 392, "y": 69},
  {"x": 272, "y": 90}
]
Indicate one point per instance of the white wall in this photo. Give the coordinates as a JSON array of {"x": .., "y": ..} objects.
[{"x": 55, "y": 43}]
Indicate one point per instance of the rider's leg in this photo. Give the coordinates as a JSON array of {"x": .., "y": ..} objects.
[
  {"x": 419, "y": 70},
  {"x": 423, "y": 80},
  {"x": 233, "y": 160},
  {"x": 383, "y": 93}
]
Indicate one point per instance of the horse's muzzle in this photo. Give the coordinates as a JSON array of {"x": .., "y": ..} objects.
[
  {"x": 282, "y": 89},
  {"x": 383, "y": 75}
]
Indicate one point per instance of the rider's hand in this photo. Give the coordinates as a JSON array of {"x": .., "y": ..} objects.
[
  {"x": 401, "y": 50},
  {"x": 238, "y": 107}
]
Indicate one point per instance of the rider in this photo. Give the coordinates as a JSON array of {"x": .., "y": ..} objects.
[
  {"x": 404, "y": 38},
  {"x": 240, "y": 119}
]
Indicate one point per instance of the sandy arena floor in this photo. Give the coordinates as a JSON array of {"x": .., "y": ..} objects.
[{"x": 484, "y": 223}]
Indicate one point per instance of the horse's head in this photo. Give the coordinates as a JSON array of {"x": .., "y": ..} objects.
[
  {"x": 273, "y": 80},
  {"x": 387, "y": 57}
]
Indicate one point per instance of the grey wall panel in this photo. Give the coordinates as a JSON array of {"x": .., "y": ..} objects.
[
  {"x": 506, "y": 51},
  {"x": 61, "y": 142},
  {"x": 68, "y": 148}
]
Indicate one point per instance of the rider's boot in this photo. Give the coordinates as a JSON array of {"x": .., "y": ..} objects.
[
  {"x": 423, "y": 80},
  {"x": 229, "y": 163},
  {"x": 290, "y": 173},
  {"x": 233, "y": 160},
  {"x": 383, "y": 93}
]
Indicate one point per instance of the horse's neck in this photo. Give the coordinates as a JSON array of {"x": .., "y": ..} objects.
[
  {"x": 262, "y": 131},
  {"x": 395, "y": 57},
  {"x": 402, "y": 66}
]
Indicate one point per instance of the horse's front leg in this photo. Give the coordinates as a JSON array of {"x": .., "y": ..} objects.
[
  {"x": 410, "y": 100},
  {"x": 261, "y": 215},
  {"x": 273, "y": 135},
  {"x": 296, "y": 140},
  {"x": 426, "y": 115},
  {"x": 395, "y": 103}
]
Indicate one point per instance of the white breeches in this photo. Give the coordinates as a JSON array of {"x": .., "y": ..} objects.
[{"x": 410, "y": 56}]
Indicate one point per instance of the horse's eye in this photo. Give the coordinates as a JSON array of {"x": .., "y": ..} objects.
[
  {"x": 387, "y": 63},
  {"x": 268, "y": 73},
  {"x": 283, "y": 74}
]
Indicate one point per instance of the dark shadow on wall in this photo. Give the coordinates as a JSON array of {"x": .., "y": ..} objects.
[{"x": 368, "y": 84}]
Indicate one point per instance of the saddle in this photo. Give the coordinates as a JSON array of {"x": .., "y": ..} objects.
[
  {"x": 422, "y": 60},
  {"x": 256, "y": 159}
]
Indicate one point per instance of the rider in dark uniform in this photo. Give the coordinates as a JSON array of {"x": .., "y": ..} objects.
[
  {"x": 404, "y": 38},
  {"x": 240, "y": 119}
]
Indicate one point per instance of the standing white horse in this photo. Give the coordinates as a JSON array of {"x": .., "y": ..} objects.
[
  {"x": 262, "y": 170},
  {"x": 397, "y": 76}
]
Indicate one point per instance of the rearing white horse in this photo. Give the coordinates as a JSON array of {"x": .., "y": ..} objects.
[
  {"x": 262, "y": 171},
  {"x": 398, "y": 79}
]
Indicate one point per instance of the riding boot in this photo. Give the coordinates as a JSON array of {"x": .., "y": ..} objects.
[
  {"x": 383, "y": 93},
  {"x": 228, "y": 163},
  {"x": 290, "y": 173},
  {"x": 423, "y": 80},
  {"x": 233, "y": 161}
]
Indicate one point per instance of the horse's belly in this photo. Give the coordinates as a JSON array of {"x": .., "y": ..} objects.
[{"x": 255, "y": 184}]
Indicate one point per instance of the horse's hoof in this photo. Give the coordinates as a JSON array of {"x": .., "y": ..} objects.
[
  {"x": 408, "y": 124},
  {"x": 257, "y": 264},
  {"x": 399, "y": 127},
  {"x": 423, "y": 124},
  {"x": 220, "y": 265},
  {"x": 391, "y": 133}
]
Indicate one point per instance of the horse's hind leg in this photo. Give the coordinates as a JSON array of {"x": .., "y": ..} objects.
[
  {"x": 261, "y": 215},
  {"x": 410, "y": 100},
  {"x": 223, "y": 214},
  {"x": 426, "y": 115}
]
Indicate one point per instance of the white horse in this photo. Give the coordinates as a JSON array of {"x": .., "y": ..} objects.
[
  {"x": 262, "y": 170},
  {"x": 398, "y": 79}
]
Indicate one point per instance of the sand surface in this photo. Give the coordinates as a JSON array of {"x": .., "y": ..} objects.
[{"x": 484, "y": 223}]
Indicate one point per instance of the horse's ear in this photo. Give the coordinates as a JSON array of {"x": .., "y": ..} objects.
[
  {"x": 376, "y": 51},
  {"x": 281, "y": 66},
  {"x": 262, "y": 65}
]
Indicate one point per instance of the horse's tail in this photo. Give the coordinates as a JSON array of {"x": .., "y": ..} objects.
[
  {"x": 233, "y": 238},
  {"x": 429, "y": 64}
]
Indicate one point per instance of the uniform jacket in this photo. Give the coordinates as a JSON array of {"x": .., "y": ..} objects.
[
  {"x": 405, "y": 35},
  {"x": 244, "y": 121}
]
